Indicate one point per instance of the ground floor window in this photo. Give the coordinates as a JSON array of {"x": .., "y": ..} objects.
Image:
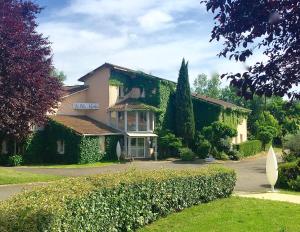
[{"x": 60, "y": 146}]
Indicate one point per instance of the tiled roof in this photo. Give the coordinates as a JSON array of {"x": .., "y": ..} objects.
[
  {"x": 218, "y": 102},
  {"x": 68, "y": 90},
  {"x": 84, "y": 125},
  {"x": 130, "y": 104}
]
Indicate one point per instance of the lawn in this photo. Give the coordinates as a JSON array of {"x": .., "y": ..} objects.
[
  {"x": 233, "y": 214},
  {"x": 91, "y": 165},
  {"x": 9, "y": 176}
]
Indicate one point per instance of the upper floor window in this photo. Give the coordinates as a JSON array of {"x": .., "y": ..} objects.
[
  {"x": 4, "y": 147},
  {"x": 121, "y": 92},
  {"x": 121, "y": 120},
  {"x": 113, "y": 119},
  {"x": 60, "y": 146}
]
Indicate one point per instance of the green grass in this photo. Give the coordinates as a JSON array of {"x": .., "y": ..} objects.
[
  {"x": 98, "y": 164},
  {"x": 234, "y": 215},
  {"x": 9, "y": 176}
]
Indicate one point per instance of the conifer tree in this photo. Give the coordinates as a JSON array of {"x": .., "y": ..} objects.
[{"x": 185, "y": 124}]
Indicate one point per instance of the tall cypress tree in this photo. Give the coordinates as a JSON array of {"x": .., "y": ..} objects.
[{"x": 185, "y": 123}]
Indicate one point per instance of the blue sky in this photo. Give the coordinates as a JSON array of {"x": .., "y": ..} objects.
[{"x": 147, "y": 35}]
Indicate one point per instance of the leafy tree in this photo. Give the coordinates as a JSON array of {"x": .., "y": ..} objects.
[
  {"x": 266, "y": 134},
  {"x": 185, "y": 123},
  {"x": 271, "y": 27},
  {"x": 168, "y": 144},
  {"x": 60, "y": 75},
  {"x": 27, "y": 91},
  {"x": 200, "y": 84},
  {"x": 265, "y": 120},
  {"x": 208, "y": 87},
  {"x": 219, "y": 135},
  {"x": 201, "y": 145}
]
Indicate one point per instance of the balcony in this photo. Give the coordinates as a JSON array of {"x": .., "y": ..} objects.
[{"x": 132, "y": 121}]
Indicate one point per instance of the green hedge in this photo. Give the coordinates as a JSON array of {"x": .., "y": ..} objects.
[
  {"x": 289, "y": 175},
  {"x": 113, "y": 202},
  {"x": 249, "y": 148}
]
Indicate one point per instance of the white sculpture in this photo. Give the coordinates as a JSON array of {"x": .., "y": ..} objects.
[
  {"x": 272, "y": 168},
  {"x": 118, "y": 150}
]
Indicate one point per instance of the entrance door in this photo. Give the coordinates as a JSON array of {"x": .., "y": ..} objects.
[{"x": 137, "y": 147}]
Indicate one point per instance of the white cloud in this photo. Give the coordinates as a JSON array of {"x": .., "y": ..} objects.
[
  {"x": 155, "y": 20},
  {"x": 152, "y": 36}
]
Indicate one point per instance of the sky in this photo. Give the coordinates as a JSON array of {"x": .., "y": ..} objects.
[{"x": 147, "y": 35}]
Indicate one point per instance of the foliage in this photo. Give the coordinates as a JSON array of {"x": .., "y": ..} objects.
[
  {"x": 249, "y": 148},
  {"x": 289, "y": 175},
  {"x": 266, "y": 135},
  {"x": 113, "y": 202},
  {"x": 201, "y": 146},
  {"x": 89, "y": 150},
  {"x": 27, "y": 91},
  {"x": 234, "y": 154},
  {"x": 212, "y": 113},
  {"x": 264, "y": 120},
  {"x": 15, "y": 160},
  {"x": 185, "y": 123},
  {"x": 41, "y": 147},
  {"x": 269, "y": 26},
  {"x": 60, "y": 75},
  {"x": 111, "y": 142},
  {"x": 219, "y": 135},
  {"x": 186, "y": 154},
  {"x": 210, "y": 88},
  {"x": 168, "y": 144},
  {"x": 292, "y": 145}
]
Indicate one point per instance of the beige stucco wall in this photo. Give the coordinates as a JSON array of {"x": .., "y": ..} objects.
[
  {"x": 113, "y": 95},
  {"x": 98, "y": 92},
  {"x": 242, "y": 133},
  {"x": 66, "y": 104}
]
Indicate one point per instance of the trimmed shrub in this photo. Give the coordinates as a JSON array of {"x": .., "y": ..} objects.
[
  {"x": 289, "y": 175},
  {"x": 186, "y": 154},
  {"x": 249, "y": 148},
  {"x": 89, "y": 150},
  {"x": 15, "y": 160},
  {"x": 234, "y": 155},
  {"x": 113, "y": 202},
  {"x": 168, "y": 144}
]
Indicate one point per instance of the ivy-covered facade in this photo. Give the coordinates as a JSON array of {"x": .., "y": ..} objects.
[{"x": 116, "y": 104}]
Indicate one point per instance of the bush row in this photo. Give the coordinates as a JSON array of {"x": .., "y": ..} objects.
[
  {"x": 113, "y": 202},
  {"x": 289, "y": 175},
  {"x": 249, "y": 148}
]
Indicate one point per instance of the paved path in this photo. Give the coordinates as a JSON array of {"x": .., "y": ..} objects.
[
  {"x": 273, "y": 197},
  {"x": 250, "y": 172}
]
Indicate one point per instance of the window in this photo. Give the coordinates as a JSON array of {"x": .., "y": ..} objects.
[
  {"x": 131, "y": 121},
  {"x": 121, "y": 92},
  {"x": 121, "y": 120},
  {"x": 142, "y": 121},
  {"x": 4, "y": 147},
  {"x": 60, "y": 147}
]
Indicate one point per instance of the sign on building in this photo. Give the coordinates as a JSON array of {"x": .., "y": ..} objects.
[{"x": 86, "y": 106}]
